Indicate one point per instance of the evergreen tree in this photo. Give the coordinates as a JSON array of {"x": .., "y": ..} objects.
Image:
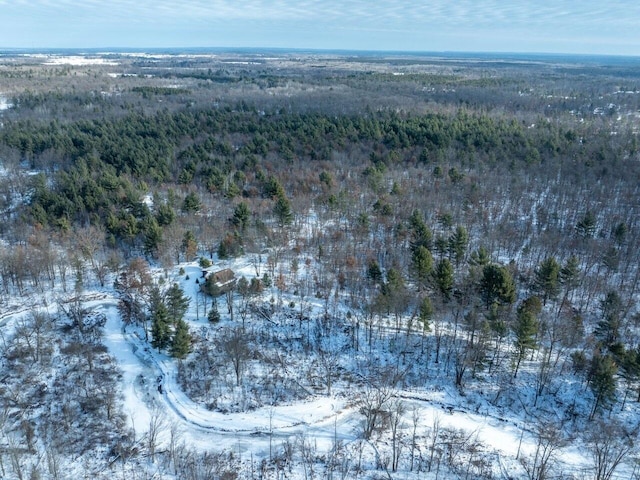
[
  {"x": 611, "y": 259},
  {"x": 181, "y": 341},
  {"x": 425, "y": 312},
  {"x": 480, "y": 257},
  {"x": 569, "y": 273},
  {"x": 282, "y": 210},
  {"x": 497, "y": 285},
  {"x": 608, "y": 328},
  {"x": 230, "y": 246},
  {"x": 395, "y": 282},
  {"x": 165, "y": 215},
  {"x": 394, "y": 296},
  {"x": 272, "y": 188},
  {"x": 256, "y": 286},
  {"x": 242, "y": 286},
  {"x": 326, "y": 178},
  {"x": 525, "y": 330},
  {"x": 569, "y": 277},
  {"x": 421, "y": 236},
  {"x": 160, "y": 327},
  {"x": 532, "y": 304},
  {"x": 241, "y": 216},
  {"x": 458, "y": 242},
  {"x": 214, "y": 315},
  {"x": 373, "y": 271},
  {"x": 619, "y": 233},
  {"x": 191, "y": 203},
  {"x": 602, "y": 381},
  {"x": 177, "y": 303},
  {"x": 204, "y": 263},
  {"x": 155, "y": 299},
  {"x": 497, "y": 322},
  {"x": 443, "y": 278},
  {"x": 441, "y": 245},
  {"x": 586, "y": 227},
  {"x": 422, "y": 265},
  {"x": 445, "y": 219},
  {"x": 630, "y": 366},
  {"x": 547, "y": 279},
  {"x": 152, "y": 236}
]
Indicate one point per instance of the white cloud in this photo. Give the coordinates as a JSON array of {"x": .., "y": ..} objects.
[
  {"x": 466, "y": 12},
  {"x": 414, "y": 24}
]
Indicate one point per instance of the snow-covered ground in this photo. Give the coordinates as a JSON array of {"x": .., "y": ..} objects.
[
  {"x": 323, "y": 418},
  {"x": 150, "y": 391},
  {"x": 4, "y": 103},
  {"x": 74, "y": 60}
]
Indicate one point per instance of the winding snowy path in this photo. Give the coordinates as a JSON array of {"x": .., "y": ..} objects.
[
  {"x": 142, "y": 367},
  {"x": 323, "y": 419}
]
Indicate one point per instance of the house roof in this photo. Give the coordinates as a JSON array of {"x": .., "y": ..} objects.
[{"x": 223, "y": 276}]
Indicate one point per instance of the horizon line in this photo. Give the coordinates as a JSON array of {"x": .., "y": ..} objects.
[{"x": 343, "y": 51}]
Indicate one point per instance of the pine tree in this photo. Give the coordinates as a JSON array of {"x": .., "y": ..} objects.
[
  {"x": 160, "y": 327},
  {"x": 394, "y": 296},
  {"x": 242, "y": 286},
  {"x": 241, "y": 215},
  {"x": 425, "y": 312},
  {"x": 421, "y": 236},
  {"x": 458, "y": 242},
  {"x": 608, "y": 328},
  {"x": 191, "y": 203},
  {"x": 165, "y": 215},
  {"x": 373, "y": 271},
  {"x": 282, "y": 210},
  {"x": 611, "y": 259},
  {"x": 181, "y": 341},
  {"x": 569, "y": 276},
  {"x": 586, "y": 227},
  {"x": 480, "y": 257},
  {"x": 525, "y": 330},
  {"x": 152, "y": 236},
  {"x": 214, "y": 315},
  {"x": 422, "y": 265},
  {"x": 569, "y": 273},
  {"x": 602, "y": 381},
  {"x": 395, "y": 282},
  {"x": 230, "y": 245},
  {"x": 177, "y": 303},
  {"x": 547, "y": 279},
  {"x": 496, "y": 321},
  {"x": 497, "y": 285},
  {"x": 619, "y": 233},
  {"x": 443, "y": 278}
]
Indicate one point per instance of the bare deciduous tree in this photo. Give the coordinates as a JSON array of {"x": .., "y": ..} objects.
[
  {"x": 234, "y": 343},
  {"x": 373, "y": 406},
  {"x": 549, "y": 439},
  {"x": 609, "y": 443}
]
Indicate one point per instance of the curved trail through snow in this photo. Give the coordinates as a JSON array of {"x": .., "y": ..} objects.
[
  {"x": 325, "y": 419},
  {"x": 138, "y": 362}
]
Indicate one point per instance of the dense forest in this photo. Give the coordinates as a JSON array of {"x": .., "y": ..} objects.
[{"x": 402, "y": 226}]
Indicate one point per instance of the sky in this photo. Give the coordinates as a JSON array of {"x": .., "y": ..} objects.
[{"x": 522, "y": 26}]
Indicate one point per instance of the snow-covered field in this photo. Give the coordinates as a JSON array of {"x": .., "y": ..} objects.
[{"x": 74, "y": 60}]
